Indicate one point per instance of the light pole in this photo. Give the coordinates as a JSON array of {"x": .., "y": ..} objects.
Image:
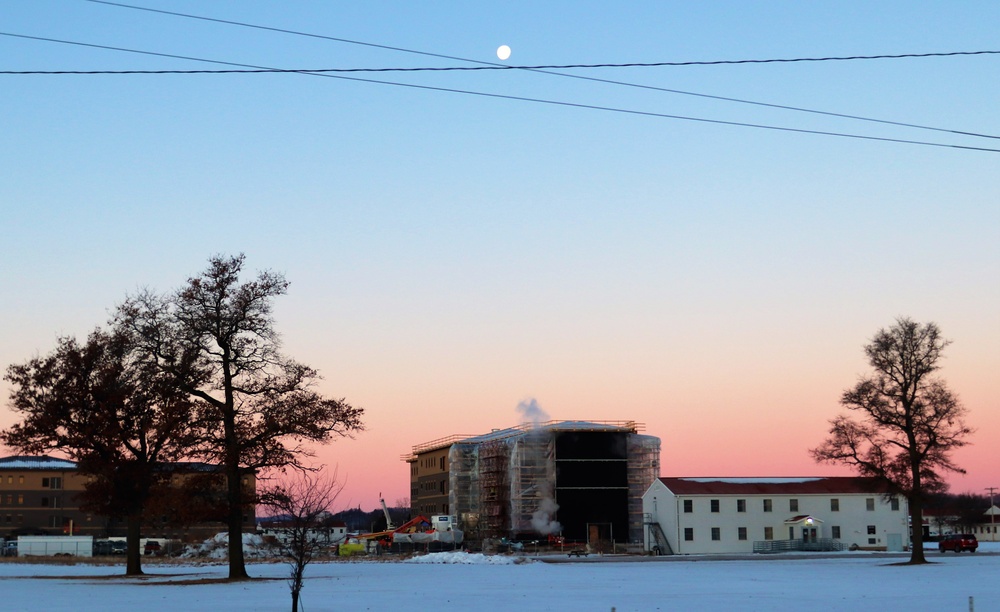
[{"x": 993, "y": 529}]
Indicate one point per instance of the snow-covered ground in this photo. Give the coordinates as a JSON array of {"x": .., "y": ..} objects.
[{"x": 847, "y": 581}]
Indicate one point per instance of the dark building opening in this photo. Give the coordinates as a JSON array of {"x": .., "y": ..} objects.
[{"x": 592, "y": 486}]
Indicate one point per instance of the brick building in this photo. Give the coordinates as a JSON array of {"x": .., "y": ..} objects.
[{"x": 40, "y": 495}]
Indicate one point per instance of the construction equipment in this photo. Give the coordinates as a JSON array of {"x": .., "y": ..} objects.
[
  {"x": 418, "y": 530},
  {"x": 389, "y": 526}
]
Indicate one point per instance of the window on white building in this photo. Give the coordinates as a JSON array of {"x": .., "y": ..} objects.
[
  {"x": 793, "y": 505},
  {"x": 835, "y": 532},
  {"x": 870, "y": 504},
  {"x": 716, "y": 533},
  {"x": 894, "y": 504},
  {"x": 741, "y": 505},
  {"x": 872, "y": 530},
  {"x": 688, "y": 505},
  {"x": 741, "y": 533},
  {"x": 767, "y": 505},
  {"x": 834, "y": 505},
  {"x": 769, "y": 533},
  {"x": 689, "y": 534},
  {"x": 714, "y": 505}
]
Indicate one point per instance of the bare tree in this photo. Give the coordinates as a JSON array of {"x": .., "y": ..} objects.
[
  {"x": 301, "y": 504},
  {"x": 907, "y": 421},
  {"x": 970, "y": 511},
  {"x": 215, "y": 338},
  {"x": 102, "y": 405}
]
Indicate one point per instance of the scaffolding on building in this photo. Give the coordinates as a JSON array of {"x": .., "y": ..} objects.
[
  {"x": 532, "y": 481},
  {"x": 498, "y": 482},
  {"x": 463, "y": 486},
  {"x": 494, "y": 488},
  {"x": 643, "y": 469}
]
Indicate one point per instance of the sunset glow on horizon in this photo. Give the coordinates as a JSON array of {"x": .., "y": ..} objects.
[{"x": 705, "y": 249}]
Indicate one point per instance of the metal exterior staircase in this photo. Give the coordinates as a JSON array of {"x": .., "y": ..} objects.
[{"x": 660, "y": 545}]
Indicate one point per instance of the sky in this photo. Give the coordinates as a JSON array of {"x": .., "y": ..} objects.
[{"x": 454, "y": 254}]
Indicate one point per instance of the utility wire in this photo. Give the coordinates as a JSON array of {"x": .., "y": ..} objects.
[
  {"x": 495, "y": 66},
  {"x": 125, "y": 50},
  {"x": 549, "y": 69},
  {"x": 537, "y": 68},
  {"x": 453, "y": 68},
  {"x": 320, "y": 71},
  {"x": 528, "y": 99}
]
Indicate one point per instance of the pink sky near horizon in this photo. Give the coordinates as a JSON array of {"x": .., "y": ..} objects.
[
  {"x": 762, "y": 428},
  {"x": 716, "y": 414},
  {"x": 455, "y": 246}
]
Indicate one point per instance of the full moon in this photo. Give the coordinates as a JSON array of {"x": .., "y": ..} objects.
[{"x": 503, "y": 52}]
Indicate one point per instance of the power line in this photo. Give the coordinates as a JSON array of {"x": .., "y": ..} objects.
[
  {"x": 549, "y": 69},
  {"x": 495, "y": 66},
  {"x": 125, "y": 50},
  {"x": 318, "y": 71},
  {"x": 284, "y": 31},
  {"x": 529, "y": 99},
  {"x": 539, "y": 68}
]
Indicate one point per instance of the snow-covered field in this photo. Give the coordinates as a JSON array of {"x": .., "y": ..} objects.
[{"x": 847, "y": 581}]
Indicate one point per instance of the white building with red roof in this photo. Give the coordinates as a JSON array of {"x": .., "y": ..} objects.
[{"x": 743, "y": 515}]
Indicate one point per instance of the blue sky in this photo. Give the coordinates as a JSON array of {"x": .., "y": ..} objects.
[{"x": 451, "y": 255}]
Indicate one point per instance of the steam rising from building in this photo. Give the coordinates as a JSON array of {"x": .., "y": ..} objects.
[{"x": 532, "y": 413}]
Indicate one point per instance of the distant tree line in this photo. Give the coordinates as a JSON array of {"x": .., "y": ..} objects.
[
  {"x": 358, "y": 520},
  {"x": 958, "y": 512}
]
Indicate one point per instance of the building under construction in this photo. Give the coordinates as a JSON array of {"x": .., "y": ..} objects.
[{"x": 582, "y": 480}]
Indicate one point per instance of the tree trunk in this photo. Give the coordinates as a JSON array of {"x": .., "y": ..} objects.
[
  {"x": 917, "y": 529},
  {"x": 234, "y": 484},
  {"x": 237, "y": 566},
  {"x": 296, "y": 581},
  {"x": 916, "y": 501},
  {"x": 133, "y": 556}
]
